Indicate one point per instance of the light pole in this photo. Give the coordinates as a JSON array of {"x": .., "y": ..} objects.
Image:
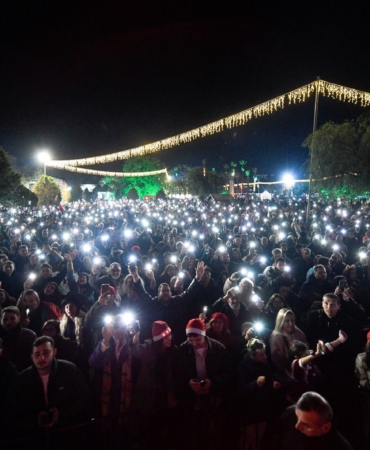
[
  {"x": 289, "y": 182},
  {"x": 44, "y": 157}
]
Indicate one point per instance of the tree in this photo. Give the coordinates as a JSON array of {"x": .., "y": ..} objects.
[
  {"x": 340, "y": 156},
  {"x": 76, "y": 192},
  {"x": 212, "y": 183},
  {"x": 132, "y": 194},
  {"x": 9, "y": 178},
  {"x": 22, "y": 196},
  {"x": 48, "y": 191},
  {"x": 147, "y": 185}
]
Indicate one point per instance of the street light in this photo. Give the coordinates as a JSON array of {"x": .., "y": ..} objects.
[
  {"x": 289, "y": 182},
  {"x": 44, "y": 157}
]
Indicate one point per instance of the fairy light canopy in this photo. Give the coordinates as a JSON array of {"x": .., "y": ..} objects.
[{"x": 299, "y": 95}]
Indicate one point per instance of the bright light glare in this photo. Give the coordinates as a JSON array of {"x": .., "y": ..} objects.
[
  {"x": 127, "y": 318},
  {"x": 258, "y": 326},
  {"x": 288, "y": 181},
  {"x": 44, "y": 156}
]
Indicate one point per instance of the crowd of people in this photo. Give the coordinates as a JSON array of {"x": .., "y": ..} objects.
[{"x": 176, "y": 323}]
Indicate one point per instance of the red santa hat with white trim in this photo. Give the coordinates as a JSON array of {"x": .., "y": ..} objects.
[
  {"x": 160, "y": 330},
  {"x": 196, "y": 326}
]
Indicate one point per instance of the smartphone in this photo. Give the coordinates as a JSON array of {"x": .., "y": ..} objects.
[
  {"x": 132, "y": 266},
  {"x": 104, "y": 288},
  {"x": 342, "y": 285},
  {"x": 202, "y": 383}
]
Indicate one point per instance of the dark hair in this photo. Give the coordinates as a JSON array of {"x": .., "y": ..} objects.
[
  {"x": 54, "y": 323},
  {"x": 271, "y": 300},
  {"x": 296, "y": 349},
  {"x": 29, "y": 292},
  {"x": 279, "y": 259},
  {"x": 323, "y": 260},
  {"x": 43, "y": 340},
  {"x": 163, "y": 284},
  {"x": 332, "y": 296},
  {"x": 312, "y": 401},
  {"x": 254, "y": 346},
  {"x": 11, "y": 309}
]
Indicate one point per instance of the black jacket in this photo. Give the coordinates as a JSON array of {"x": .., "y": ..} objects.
[
  {"x": 217, "y": 367},
  {"x": 67, "y": 391},
  {"x": 288, "y": 438}
]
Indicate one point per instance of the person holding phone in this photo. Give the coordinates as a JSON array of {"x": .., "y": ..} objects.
[{"x": 106, "y": 305}]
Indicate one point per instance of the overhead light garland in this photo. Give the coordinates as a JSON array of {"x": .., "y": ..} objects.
[
  {"x": 299, "y": 95},
  {"x": 103, "y": 173}
]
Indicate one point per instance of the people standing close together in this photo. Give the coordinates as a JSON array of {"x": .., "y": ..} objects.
[{"x": 196, "y": 330}]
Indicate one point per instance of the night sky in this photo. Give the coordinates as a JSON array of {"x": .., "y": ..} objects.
[{"x": 86, "y": 78}]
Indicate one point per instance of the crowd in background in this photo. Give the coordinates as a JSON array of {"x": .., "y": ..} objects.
[{"x": 186, "y": 321}]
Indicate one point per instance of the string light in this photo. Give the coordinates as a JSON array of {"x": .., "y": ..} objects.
[
  {"x": 299, "y": 95},
  {"x": 102, "y": 173}
]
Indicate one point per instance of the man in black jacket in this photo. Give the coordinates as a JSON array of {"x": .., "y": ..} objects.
[
  {"x": 17, "y": 341},
  {"x": 175, "y": 310},
  {"x": 52, "y": 393},
  {"x": 308, "y": 424},
  {"x": 203, "y": 379}
]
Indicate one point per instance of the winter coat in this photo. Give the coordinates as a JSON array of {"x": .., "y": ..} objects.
[
  {"x": 67, "y": 391},
  {"x": 155, "y": 381},
  {"x": 217, "y": 367},
  {"x": 79, "y": 326}
]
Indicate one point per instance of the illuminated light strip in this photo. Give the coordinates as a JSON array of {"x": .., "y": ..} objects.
[
  {"x": 299, "y": 95},
  {"x": 103, "y": 173}
]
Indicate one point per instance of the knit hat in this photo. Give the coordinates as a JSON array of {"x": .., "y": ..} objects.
[
  {"x": 160, "y": 330},
  {"x": 196, "y": 326},
  {"x": 72, "y": 299},
  {"x": 135, "y": 248},
  {"x": 220, "y": 316}
]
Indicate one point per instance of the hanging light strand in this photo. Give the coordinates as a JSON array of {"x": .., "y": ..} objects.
[
  {"x": 299, "y": 95},
  {"x": 103, "y": 173}
]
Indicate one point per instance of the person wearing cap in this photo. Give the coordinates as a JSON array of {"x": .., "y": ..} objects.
[
  {"x": 218, "y": 329},
  {"x": 202, "y": 359},
  {"x": 153, "y": 392},
  {"x": 203, "y": 381}
]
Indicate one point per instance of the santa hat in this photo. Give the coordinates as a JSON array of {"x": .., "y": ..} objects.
[
  {"x": 196, "y": 326},
  {"x": 220, "y": 316},
  {"x": 160, "y": 330}
]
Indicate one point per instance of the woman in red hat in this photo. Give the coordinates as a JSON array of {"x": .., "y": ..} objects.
[{"x": 218, "y": 329}]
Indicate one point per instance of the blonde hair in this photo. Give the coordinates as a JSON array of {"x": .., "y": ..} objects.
[{"x": 280, "y": 318}]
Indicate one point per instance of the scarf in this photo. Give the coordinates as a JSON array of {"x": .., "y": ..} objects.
[{"x": 117, "y": 382}]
